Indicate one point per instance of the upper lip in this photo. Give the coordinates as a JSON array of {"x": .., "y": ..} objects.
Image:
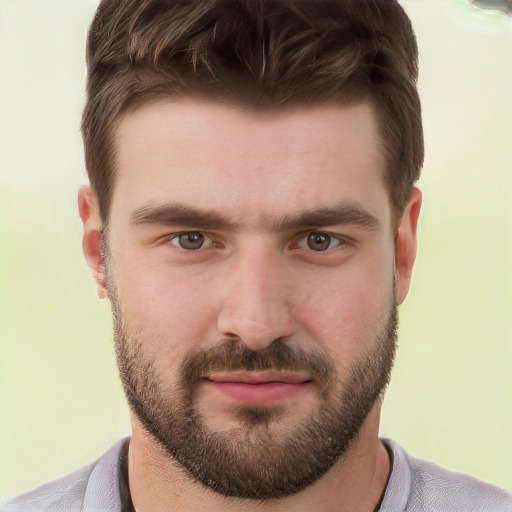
[{"x": 257, "y": 377}]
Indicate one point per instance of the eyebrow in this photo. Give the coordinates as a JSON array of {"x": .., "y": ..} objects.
[
  {"x": 180, "y": 214},
  {"x": 192, "y": 217},
  {"x": 341, "y": 214}
]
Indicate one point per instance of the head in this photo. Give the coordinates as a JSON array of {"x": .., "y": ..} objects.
[
  {"x": 252, "y": 168},
  {"x": 257, "y": 55}
]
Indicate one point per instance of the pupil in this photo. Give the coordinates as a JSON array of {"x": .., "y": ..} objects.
[
  {"x": 318, "y": 241},
  {"x": 191, "y": 240}
]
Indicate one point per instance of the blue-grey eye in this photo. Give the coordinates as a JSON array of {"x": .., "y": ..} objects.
[{"x": 191, "y": 241}]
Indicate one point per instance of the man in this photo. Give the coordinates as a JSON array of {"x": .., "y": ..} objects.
[{"x": 252, "y": 218}]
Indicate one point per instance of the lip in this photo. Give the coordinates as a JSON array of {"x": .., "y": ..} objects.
[
  {"x": 259, "y": 388},
  {"x": 255, "y": 377}
]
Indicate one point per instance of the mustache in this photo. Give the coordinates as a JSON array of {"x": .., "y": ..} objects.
[{"x": 233, "y": 355}]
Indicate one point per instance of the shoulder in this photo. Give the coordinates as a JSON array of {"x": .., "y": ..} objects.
[
  {"x": 92, "y": 487},
  {"x": 435, "y": 488},
  {"x": 66, "y": 493},
  {"x": 416, "y": 485}
]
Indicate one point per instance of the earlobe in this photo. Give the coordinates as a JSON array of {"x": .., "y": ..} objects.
[
  {"x": 88, "y": 208},
  {"x": 405, "y": 244}
]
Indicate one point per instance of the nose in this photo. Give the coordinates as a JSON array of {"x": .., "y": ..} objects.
[{"x": 256, "y": 300}]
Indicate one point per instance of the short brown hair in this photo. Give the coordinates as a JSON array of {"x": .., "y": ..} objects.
[{"x": 256, "y": 54}]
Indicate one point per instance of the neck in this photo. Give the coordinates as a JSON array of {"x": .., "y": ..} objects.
[{"x": 355, "y": 483}]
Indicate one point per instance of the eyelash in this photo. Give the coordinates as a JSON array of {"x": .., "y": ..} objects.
[
  {"x": 319, "y": 234},
  {"x": 176, "y": 237},
  {"x": 339, "y": 241}
]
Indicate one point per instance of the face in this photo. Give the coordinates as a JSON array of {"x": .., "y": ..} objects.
[{"x": 251, "y": 265}]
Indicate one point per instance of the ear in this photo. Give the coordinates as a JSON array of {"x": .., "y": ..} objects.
[
  {"x": 88, "y": 207},
  {"x": 405, "y": 245}
]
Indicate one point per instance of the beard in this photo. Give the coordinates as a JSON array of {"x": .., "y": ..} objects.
[
  {"x": 254, "y": 460},
  {"x": 260, "y": 458}
]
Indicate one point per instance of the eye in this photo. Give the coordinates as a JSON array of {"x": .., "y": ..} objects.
[
  {"x": 318, "y": 242},
  {"x": 191, "y": 240}
]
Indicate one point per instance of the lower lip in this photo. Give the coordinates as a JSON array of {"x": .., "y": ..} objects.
[{"x": 270, "y": 393}]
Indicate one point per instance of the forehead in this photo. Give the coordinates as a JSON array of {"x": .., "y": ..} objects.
[{"x": 251, "y": 165}]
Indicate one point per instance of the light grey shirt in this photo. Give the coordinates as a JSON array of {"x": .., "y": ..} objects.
[{"x": 414, "y": 486}]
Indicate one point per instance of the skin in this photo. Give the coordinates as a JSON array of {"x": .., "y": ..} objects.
[{"x": 254, "y": 280}]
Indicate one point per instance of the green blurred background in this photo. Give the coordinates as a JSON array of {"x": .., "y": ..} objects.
[{"x": 451, "y": 397}]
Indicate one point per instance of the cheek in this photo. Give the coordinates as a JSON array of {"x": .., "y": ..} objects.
[
  {"x": 171, "y": 310},
  {"x": 348, "y": 310}
]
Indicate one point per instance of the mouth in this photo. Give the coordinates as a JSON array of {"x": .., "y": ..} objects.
[{"x": 264, "y": 388}]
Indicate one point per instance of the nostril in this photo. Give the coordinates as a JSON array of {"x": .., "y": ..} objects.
[{"x": 255, "y": 333}]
